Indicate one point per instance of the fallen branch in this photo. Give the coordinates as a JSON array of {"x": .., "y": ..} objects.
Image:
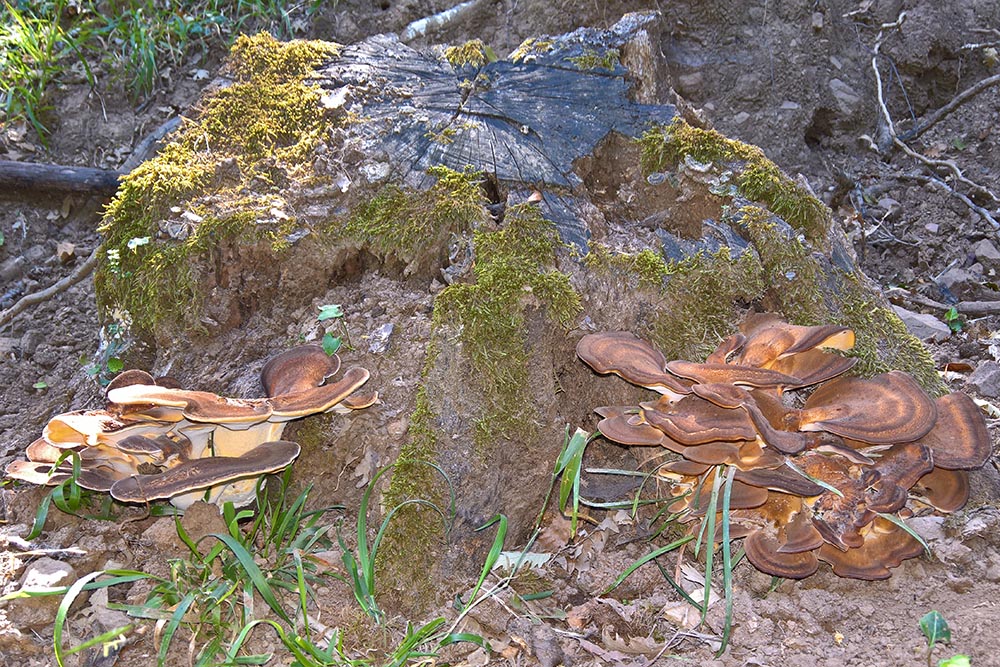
[
  {"x": 58, "y": 178},
  {"x": 140, "y": 153},
  {"x": 959, "y": 100},
  {"x": 950, "y": 165},
  {"x": 969, "y": 308}
]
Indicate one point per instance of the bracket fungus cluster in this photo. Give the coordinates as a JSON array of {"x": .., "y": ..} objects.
[
  {"x": 820, "y": 475},
  {"x": 155, "y": 440}
]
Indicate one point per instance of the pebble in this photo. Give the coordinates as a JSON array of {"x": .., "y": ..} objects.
[
  {"x": 923, "y": 326},
  {"x": 986, "y": 379},
  {"x": 43, "y": 574}
]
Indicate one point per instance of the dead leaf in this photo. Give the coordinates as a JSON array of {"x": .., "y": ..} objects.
[
  {"x": 633, "y": 645},
  {"x": 65, "y": 251}
]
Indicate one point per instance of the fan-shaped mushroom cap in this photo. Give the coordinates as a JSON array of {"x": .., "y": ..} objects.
[
  {"x": 959, "y": 439},
  {"x": 299, "y": 369},
  {"x": 194, "y": 475},
  {"x": 355, "y": 402},
  {"x": 44, "y": 452},
  {"x": 782, "y": 479},
  {"x": 945, "y": 490},
  {"x": 198, "y": 406},
  {"x": 763, "y": 550},
  {"x": 898, "y": 469},
  {"x": 685, "y": 468},
  {"x": 131, "y": 376},
  {"x": 627, "y": 428},
  {"x": 770, "y": 338},
  {"x": 632, "y": 358},
  {"x": 93, "y": 427},
  {"x": 885, "y": 546},
  {"x": 814, "y": 366},
  {"x": 731, "y": 374},
  {"x": 285, "y": 407},
  {"x": 693, "y": 421},
  {"x": 886, "y": 409},
  {"x": 742, "y": 496},
  {"x": 727, "y": 348},
  {"x": 787, "y": 442},
  {"x": 799, "y": 535},
  {"x": 712, "y": 453}
]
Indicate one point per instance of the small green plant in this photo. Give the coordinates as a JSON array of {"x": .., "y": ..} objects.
[
  {"x": 332, "y": 311},
  {"x": 936, "y": 630},
  {"x": 954, "y": 320}
]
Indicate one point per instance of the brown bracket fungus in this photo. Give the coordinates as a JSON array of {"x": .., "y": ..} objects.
[
  {"x": 156, "y": 442},
  {"x": 821, "y": 458}
]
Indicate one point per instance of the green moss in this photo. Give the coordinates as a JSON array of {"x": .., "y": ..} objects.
[
  {"x": 759, "y": 180},
  {"x": 530, "y": 48},
  {"x": 409, "y": 224},
  {"x": 473, "y": 53},
  {"x": 591, "y": 59},
  {"x": 883, "y": 342},
  {"x": 513, "y": 273},
  {"x": 784, "y": 277},
  {"x": 513, "y": 270},
  {"x": 266, "y": 123},
  {"x": 649, "y": 268}
]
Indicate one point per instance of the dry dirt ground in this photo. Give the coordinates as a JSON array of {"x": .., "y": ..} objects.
[{"x": 794, "y": 78}]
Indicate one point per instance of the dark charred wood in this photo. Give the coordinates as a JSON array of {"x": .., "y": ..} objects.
[{"x": 21, "y": 176}]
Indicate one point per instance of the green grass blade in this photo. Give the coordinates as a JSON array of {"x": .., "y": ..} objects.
[
  {"x": 171, "y": 627},
  {"x": 256, "y": 576},
  {"x": 63, "y": 610},
  {"x": 645, "y": 559},
  {"x": 826, "y": 485},
  {"x": 727, "y": 561},
  {"x": 493, "y": 555},
  {"x": 709, "y": 525}
]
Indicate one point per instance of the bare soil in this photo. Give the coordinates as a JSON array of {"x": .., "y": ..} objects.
[{"x": 793, "y": 78}]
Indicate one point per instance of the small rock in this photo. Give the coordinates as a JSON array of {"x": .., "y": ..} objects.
[
  {"x": 12, "y": 269},
  {"x": 378, "y": 341},
  {"x": 923, "y": 326},
  {"x": 65, "y": 252},
  {"x": 847, "y": 98},
  {"x": 741, "y": 117},
  {"x": 43, "y": 574},
  {"x": 993, "y": 572},
  {"x": 31, "y": 340},
  {"x": 932, "y": 227},
  {"x": 817, "y": 20},
  {"x": 788, "y": 105},
  {"x": 689, "y": 83},
  {"x": 986, "y": 379},
  {"x": 986, "y": 252},
  {"x": 8, "y": 345},
  {"x": 398, "y": 427},
  {"x": 958, "y": 280}
]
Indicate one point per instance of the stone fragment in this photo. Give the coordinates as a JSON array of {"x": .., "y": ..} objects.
[
  {"x": 923, "y": 326},
  {"x": 986, "y": 252},
  {"x": 847, "y": 98},
  {"x": 986, "y": 379},
  {"x": 38, "y": 612}
]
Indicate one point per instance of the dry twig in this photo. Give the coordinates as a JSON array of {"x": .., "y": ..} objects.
[
  {"x": 141, "y": 152},
  {"x": 961, "y": 98}
]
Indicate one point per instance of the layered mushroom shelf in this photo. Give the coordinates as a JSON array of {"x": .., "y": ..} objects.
[
  {"x": 822, "y": 475},
  {"x": 155, "y": 440}
]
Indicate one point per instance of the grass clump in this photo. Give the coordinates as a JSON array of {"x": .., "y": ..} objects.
[
  {"x": 47, "y": 44},
  {"x": 204, "y": 187},
  {"x": 759, "y": 179}
]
